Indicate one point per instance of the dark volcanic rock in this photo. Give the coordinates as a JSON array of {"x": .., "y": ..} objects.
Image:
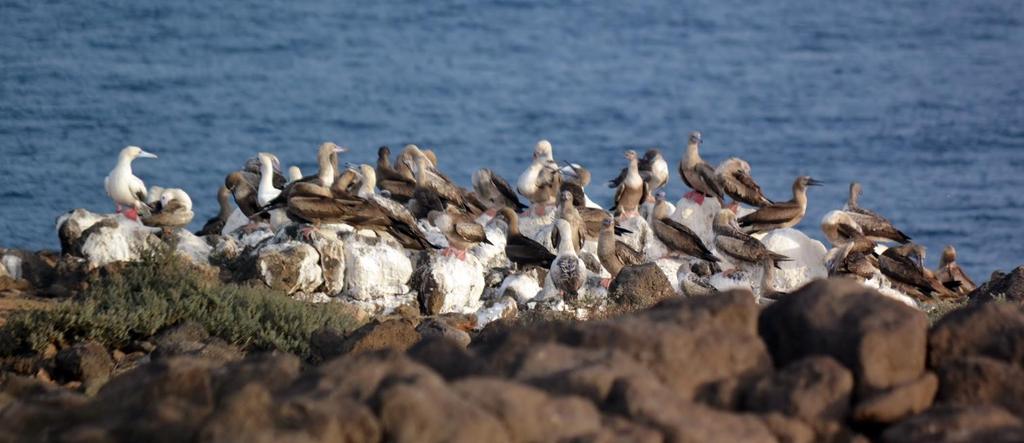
[
  {"x": 898, "y": 402},
  {"x": 977, "y": 380},
  {"x": 88, "y": 362},
  {"x": 880, "y": 339},
  {"x": 683, "y": 421},
  {"x": 640, "y": 286},
  {"x": 991, "y": 329},
  {"x": 957, "y": 424},
  {"x": 441, "y": 327},
  {"x": 814, "y": 388},
  {"x": 448, "y": 358},
  {"x": 398, "y": 334},
  {"x": 1009, "y": 287},
  {"x": 529, "y": 414}
]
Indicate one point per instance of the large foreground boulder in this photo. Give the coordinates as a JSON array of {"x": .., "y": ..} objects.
[
  {"x": 881, "y": 340},
  {"x": 991, "y": 329},
  {"x": 640, "y": 286}
]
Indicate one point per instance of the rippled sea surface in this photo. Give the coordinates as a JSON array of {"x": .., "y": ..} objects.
[{"x": 922, "y": 101}]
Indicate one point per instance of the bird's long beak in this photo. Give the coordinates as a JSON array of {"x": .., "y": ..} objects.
[
  {"x": 340, "y": 149},
  {"x": 813, "y": 182},
  {"x": 144, "y": 154}
]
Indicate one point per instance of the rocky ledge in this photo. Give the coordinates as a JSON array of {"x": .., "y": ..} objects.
[{"x": 831, "y": 362}]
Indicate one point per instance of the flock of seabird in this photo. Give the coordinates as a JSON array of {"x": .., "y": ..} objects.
[{"x": 393, "y": 198}]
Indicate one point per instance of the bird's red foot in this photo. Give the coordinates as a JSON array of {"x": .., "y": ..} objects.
[
  {"x": 453, "y": 252},
  {"x": 606, "y": 282},
  {"x": 729, "y": 272},
  {"x": 539, "y": 210},
  {"x": 695, "y": 197},
  {"x": 307, "y": 232},
  {"x": 131, "y": 214}
]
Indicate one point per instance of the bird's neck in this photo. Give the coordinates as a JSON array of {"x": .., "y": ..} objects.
[
  {"x": 565, "y": 246},
  {"x": 326, "y": 174},
  {"x": 513, "y": 223},
  {"x": 693, "y": 153},
  {"x": 800, "y": 196},
  {"x": 366, "y": 188},
  {"x": 266, "y": 175},
  {"x": 124, "y": 165}
]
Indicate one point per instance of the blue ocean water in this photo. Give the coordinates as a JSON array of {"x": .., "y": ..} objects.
[{"x": 922, "y": 101}]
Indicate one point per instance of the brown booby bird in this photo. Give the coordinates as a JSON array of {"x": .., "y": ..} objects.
[
  {"x": 903, "y": 265},
  {"x": 951, "y": 275},
  {"x": 495, "y": 192},
  {"x": 734, "y": 175},
  {"x": 614, "y": 254},
  {"x": 652, "y": 168},
  {"x": 123, "y": 187},
  {"x": 735, "y": 243},
  {"x": 324, "y": 177},
  {"x": 875, "y": 227},
  {"x": 568, "y": 212},
  {"x": 244, "y": 192},
  {"x": 522, "y": 250},
  {"x": 462, "y": 233},
  {"x": 215, "y": 225},
  {"x": 567, "y": 271},
  {"x": 780, "y": 215},
  {"x": 698, "y": 174},
  {"x": 315, "y": 204},
  {"x": 632, "y": 189},
  {"x": 676, "y": 236},
  {"x": 542, "y": 180},
  {"x": 399, "y": 187},
  {"x": 696, "y": 282},
  {"x": 173, "y": 211},
  {"x": 575, "y": 179},
  {"x": 853, "y": 253},
  {"x": 434, "y": 191}
]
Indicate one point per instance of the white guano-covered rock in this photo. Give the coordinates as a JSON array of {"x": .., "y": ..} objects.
[
  {"x": 375, "y": 271},
  {"x": 520, "y": 287},
  {"x": 122, "y": 240},
  {"x": 290, "y": 267},
  {"x": 453, "y": 285},
  {"x": 192, "y": 247},
  {"x": 807, "y": 258},
  {"x": 236, "y": 220},
  {"x": 332, "y": 260}
]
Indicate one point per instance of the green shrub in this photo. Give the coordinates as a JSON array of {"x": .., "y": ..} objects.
[{"x": 162, "y": 290}]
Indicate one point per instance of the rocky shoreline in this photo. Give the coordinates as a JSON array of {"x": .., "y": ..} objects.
[{"x": 133, "y": 334}]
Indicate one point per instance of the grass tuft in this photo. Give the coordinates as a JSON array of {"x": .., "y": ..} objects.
[{"x": 163, "y": 290}]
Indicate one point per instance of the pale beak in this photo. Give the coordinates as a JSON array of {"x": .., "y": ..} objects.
[
  {"x": 144, "y": 154},
  {"x": 813, "y": 182},
  {"x": 339, "y": 149}
]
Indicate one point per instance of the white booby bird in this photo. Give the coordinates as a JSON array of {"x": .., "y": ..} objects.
[
  {"x": 577, "y": 226},
  {"x": 951, "y": 275},
  {"x": 568, "y": 273},
  {"x": 734, "y": 175},
  {"x": 783, "y": 214},
  {"x": 267, "y": 191},
  {"x": 294, "y": 174},
  {"x": 875, "y": 227},
  {"x": 541, "y": 181},
  {"x": 125, "y": 188},
  {"x": 173, "y": 211},
  {"x": 698, "y": 174},
  {"x": 632, "y": 189}
]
